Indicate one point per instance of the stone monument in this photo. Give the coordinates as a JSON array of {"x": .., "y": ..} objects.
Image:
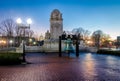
[
  {"x": 56, "y": 30},
  {"x": 56, "y": 25}
]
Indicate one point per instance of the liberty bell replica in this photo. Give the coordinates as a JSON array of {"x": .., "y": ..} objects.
[{"x": 69, "y": 45}]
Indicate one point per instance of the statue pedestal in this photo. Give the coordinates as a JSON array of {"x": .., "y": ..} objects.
[
  {"x": 52, "y": 46},
  {"x": 20, "y": 48}
]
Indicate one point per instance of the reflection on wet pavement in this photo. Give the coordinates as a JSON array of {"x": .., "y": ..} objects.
[{"x": 49, "y": 67}]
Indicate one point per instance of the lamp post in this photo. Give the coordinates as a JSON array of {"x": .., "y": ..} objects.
[
  {"x": 11, "y": 42},
  {"x": 24, "y": 27}
]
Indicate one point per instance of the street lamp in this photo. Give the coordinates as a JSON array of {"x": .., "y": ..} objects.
[
  {"x": 29, "y": 21},
  {"x": 30, "y": 41},
  {"x": 11, "y": 42},
  {"x": 19, "y": 21},
  {"x": 21, "y": 26}
]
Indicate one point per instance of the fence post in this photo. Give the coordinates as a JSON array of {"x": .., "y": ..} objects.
[{"x": 60, "y": 51}]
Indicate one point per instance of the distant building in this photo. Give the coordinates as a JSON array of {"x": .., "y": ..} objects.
[
  {"x": 41, "y": 37},
  {"x": 118, "y": 39},
  {"x": 118, "y": 42},
  {"x": 56, "y": 25},
  {"x": 47, "y": 35}
]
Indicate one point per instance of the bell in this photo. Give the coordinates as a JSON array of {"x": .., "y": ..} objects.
[{"x": 69, "y": 46}]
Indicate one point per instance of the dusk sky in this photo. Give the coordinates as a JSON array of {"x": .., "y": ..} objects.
[{"x": 88, "y": 14}]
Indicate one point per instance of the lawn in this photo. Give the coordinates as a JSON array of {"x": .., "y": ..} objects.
[{"x": 8, "y": 58}]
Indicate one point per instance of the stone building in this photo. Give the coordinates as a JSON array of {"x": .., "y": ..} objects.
[
  {"x": 41, "y": 37},
  {"x": 47, "y": 35},
  {"x": 56, "y": 25}
]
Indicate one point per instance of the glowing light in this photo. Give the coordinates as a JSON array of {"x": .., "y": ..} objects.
[
  {"x": 11, "y": 41},
  {"x": 30, "y": 40},
  {"x": 34, "y": 43},
  {"x": 89, "y": 42},
  {"x": 19, "y": 21},
  {"x": 29, "y": 21},
  {"x": 3, "y": 41}
]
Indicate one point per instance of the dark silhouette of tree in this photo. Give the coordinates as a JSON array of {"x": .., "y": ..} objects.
[
  {"x": 7, "y": 27},
  {"x": 105, "y": 40},
  {"x": 82, "y": 33},
  {"x": 96, "y": 36},
  {"x": 29, "y": 33},
  {"x": 11, "y": 29},
  {"x": 78, "y": 31}
]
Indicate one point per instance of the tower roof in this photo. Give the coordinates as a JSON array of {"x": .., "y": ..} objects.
[
  {"x": 56, "y": 15},
  {"x": 55, "y": 11}
]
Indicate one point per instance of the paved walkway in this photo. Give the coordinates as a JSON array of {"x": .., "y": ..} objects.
[{"x": 46, "y": 67}]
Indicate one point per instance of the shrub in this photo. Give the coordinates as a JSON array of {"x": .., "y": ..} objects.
[
  {"x": 10, "y": 58},
  {"x": 109, "y": 52}
]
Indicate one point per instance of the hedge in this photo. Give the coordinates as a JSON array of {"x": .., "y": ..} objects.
[
  {"x": 109, "y": 52},
  {"x": 10, "y": 58}
]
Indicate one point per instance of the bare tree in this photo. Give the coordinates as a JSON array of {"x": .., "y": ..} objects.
[
  {"x": 10, "y": 29},
  {"x": 29, "y": 33},
  {"x": 105, "y": 40},
  {"x": 78, "y": 31},
  {"x": 86, "y": 35},
  {"x": 96, "y": 36},
  {"x": 20, "y": 34},
  {"x": 82, "y": 32},
  {"x": 7, "y": 27},
  {"x": 17, "y": 31}
]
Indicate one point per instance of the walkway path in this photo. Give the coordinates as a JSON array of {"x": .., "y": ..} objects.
[{"x": 46, "y": 67}]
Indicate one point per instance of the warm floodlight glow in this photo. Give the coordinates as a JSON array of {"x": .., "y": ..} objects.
[
  {"x": 29, "y": 21},
  {"x": 19, "y": 21},
  {"x": 2, "y": 41}
]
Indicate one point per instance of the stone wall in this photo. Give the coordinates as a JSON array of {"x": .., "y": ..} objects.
[
  {"x": 52, "y": 46},
  {"x": 47, "y": 47}
]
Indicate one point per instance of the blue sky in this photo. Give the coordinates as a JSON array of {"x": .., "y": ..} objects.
[{"x": 88, "y": 14}]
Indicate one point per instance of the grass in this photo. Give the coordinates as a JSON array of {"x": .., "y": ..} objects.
[{"x": 9, "y": 58}]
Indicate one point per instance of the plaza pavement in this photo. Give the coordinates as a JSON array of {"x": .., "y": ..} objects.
[{"x": 49, "y": 67}]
